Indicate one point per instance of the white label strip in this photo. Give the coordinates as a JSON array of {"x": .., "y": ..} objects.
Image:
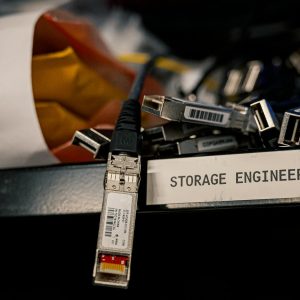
[
  {"x": 253, "y": 176},
  {"x": 22, "y": 141},
  {"x": 217, "y": 143},
  {"x": 117, "y": 219},
  {"x": 206, "y": 115}
]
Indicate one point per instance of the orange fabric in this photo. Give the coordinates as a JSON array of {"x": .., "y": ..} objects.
[
  {"x": 58, "y": 124},
  {"x": 62, "y": 77},
  {"x": 76, "y": 82}
]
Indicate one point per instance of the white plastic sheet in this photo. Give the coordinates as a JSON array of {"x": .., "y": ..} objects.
[{"x": 21, "y": 140}]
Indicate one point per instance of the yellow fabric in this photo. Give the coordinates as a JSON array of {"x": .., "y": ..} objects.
[
  {"x": 69, "y": 94},
  {"x": 63, "y": 78},
  {"x": 163, "y": 63},
  {"x": 58, "y": 124}
]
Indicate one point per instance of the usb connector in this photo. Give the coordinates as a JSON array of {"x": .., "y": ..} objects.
[
  {"x": 93, "y": 141},
  {"x": 290, "y": 128},
  {"x": 264, "y": 116},
  {"x": 266, "y": 122}
]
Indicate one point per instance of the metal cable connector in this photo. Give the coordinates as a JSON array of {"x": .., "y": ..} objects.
[
  {"x": 116, "y": 231},
  {"x": 180, "y": 110},
  {"x": 290, "y": 128}
]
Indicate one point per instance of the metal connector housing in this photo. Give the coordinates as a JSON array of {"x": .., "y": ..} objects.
[
  {"x": 290, "y": 128},
  {"x": 168, "y": 108},
  {"x": 117, "y": 222},
  {"x": 93, "y": 141},
  {"x": 266, "y": 121},
  {"x": 180, "y": 110},
  {"x": 264, "y": 116}
]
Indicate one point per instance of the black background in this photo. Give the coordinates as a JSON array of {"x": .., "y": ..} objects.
[{"x": 198, "y": 254}]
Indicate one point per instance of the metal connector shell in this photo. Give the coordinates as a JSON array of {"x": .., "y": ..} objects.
[
  {"x": 117, "y": 221},
  {"x": 266, "y": 122},
  {"x": 93, "y": 141},
  {"x": 264, "y": 116},
  {"x": 290, "y": 128},
  {"x": 180, "y": 110}
]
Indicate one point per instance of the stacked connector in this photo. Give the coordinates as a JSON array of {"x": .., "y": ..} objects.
[
  {"x": 267, "y": 122},
  {"x": 290, "y": 128}
]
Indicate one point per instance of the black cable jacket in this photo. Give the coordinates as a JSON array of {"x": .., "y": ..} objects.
[
  {"x": 138, "y": 83},
  {"x": 126, "y": 137}
]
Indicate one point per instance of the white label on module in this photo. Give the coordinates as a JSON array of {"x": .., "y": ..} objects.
[
  {"x": 117, "y": 221},
  {"x": 217, "y": 143},
  {"x": 234, "y": 177},
  {"x": 206, "y": 115}
]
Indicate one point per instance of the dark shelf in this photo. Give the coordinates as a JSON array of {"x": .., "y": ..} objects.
[
  {"x": 49, "y": 229},
  {"x": 61, "y": 189}
]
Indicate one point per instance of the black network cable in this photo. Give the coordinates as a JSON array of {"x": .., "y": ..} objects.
[
  {"x": 126, "y": 137},
  {"x": 121, "y": 186}
]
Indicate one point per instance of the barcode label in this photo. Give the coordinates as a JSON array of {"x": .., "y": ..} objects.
[
  {"x": 206, "y": 115},
  {"x": 117, "y": 220},
  {"x": 109, "y": 222}
]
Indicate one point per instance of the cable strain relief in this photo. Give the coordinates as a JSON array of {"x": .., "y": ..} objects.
[
  {"x": 126, "y": 136},
  {"x": 130, "y": 116},
  {"x": 126, "y": 141}
]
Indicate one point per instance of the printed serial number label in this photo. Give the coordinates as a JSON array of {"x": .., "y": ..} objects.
[
  {"x": 117, "y": 221},
  {"x": 217, "y": 143},
  {"x": 206, "y": 115}
]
